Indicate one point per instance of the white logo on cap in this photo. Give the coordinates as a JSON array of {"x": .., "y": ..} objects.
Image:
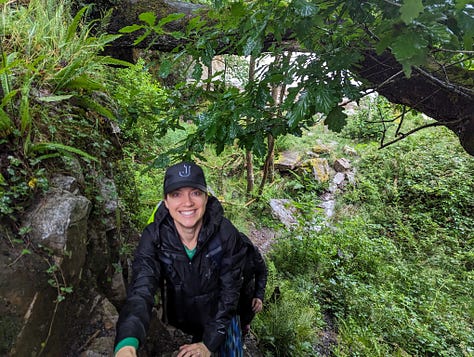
[{"x": 186, "y": 172}]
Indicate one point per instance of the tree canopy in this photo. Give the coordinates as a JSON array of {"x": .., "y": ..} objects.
[{"x": 415, "y": 53}]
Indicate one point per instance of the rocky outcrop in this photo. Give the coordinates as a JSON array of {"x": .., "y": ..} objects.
[
  {"x": 47, "y": 284},
  {"x": 335, "y": 175}
]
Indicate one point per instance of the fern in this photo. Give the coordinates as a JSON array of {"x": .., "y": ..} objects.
[{"x": 65, "y": 149}]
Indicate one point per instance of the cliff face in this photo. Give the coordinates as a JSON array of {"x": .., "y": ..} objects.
[{"x": 59, "y": 281}]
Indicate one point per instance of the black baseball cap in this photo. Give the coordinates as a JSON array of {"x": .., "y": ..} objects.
[{"x": 184, "y": 174}]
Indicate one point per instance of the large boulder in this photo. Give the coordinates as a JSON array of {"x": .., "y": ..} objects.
[{"x": 40, "y": 268}]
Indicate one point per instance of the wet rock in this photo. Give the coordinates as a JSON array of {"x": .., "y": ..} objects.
[
  {"x": 100, "y": 347},
  {"x": 59, "y": 222},
  {"x": 320, "y": 169},
  {"x": 66, "y": 183},
  {"x": 284, "y": 211},
  {"x": 287, "y": 160},
  {"x": 118, "y": 291},
  {"x": 342, "y": 164},
  {"x": 109, "y": 195}
]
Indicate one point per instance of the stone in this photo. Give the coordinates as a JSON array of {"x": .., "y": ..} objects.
[
  {"x": 342, "y": 164},
  {"x": 320, "y": 169},
  {"x": 349, "y": 150},
  {"x": 67, "y": 183},
  {"x": 321, "y": 149},
  {"x": 283, "y": 210},
  {"x": 287, "y": 160}
]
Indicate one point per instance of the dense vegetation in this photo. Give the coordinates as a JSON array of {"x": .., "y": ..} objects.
[
  {"x": 391, "y": 275},
  {"x": 310, "y": 56}
]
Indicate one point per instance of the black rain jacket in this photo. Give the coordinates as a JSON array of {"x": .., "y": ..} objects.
[
  {"x": 255, "y": 276},
  {"x": 202, "y": 293}
]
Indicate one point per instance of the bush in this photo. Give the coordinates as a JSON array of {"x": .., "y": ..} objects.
[{"x": 286, "y": 326}]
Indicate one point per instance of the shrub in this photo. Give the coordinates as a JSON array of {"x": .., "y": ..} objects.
[{"x": 286, "y": 326}]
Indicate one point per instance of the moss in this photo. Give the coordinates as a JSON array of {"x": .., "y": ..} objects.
[{"x": 9, "y": 329}]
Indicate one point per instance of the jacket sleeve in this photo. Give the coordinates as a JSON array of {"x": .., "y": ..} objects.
[
  {"x": 230, "y": 284},
  {"x": 134, "y": 317},
  {"x": 261, "y": 274}
]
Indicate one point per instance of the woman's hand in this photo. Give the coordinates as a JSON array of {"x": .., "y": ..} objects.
[
  {"x": 257, "y": 305},
  {"x": 195, "y": 349},
  {"x": 127, "y": 351}
]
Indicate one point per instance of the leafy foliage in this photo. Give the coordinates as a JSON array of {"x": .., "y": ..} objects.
[
  {"x": 286, "y": 326},
  {"x": 334, "y": 36},
  {"x": 50, "y": 74},
  {"x": 395, "y": 270}
]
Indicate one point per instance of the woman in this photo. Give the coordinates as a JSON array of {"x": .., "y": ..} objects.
[{"x": 199, "y": 254}]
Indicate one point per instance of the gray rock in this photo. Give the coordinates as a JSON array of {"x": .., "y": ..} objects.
[
  {"x": 342, "y": 164},
  {"x": 283, "y": 210}
]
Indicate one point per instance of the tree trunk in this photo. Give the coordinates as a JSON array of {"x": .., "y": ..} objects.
[
  {"x": 250, "y": 171},
  {"x": 248, "y": 153},
  {"x": 431, "y": 91},
  {"x": 268, "y": 161}
]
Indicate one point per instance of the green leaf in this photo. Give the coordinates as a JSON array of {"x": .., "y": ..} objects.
[
  {"x": 131, "y": 28},
  {"x": 165, "y": 68},
  {"x": 410, "y": 49},
  {"x": 8, "y": 97},
  {"x": 170, "y": 18},
  {"x": 66, "y": 289},
  {"x": 84, "y": 82},
  {"x": 299, "y": 110},
  {"x": 259, "y": 147},
  {"x": 141, "y": 38},
  {"x": 99, "y": 108},
  {"x": 55, "y": 98},
  {"x": 304, "y": 8},
  {"x": 336, "y": 119},
  {"x": 42, "y": 147},
  {"x": 460, "y": 4},
  {"x": 6, "y": 124},
  {"x": 466, "y": 23},
  {"x": 115, "y": 61},
  {"x": 25, "y": 116},
  {"x": 253, "y": 44},
  {"x": 410, "y": 10},
  {"x": 177, "y": 35},
  {"x": 148, "y": 17},
  {"x": 237, "y": 9},
  {"x": 72, "y": 28},
  {"x": 195, "y": 23},
  {"x": 324, "y": 98},
  {"x": 197, "y": 72}
]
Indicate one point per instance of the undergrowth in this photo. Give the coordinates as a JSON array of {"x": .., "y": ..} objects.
[{"x": 395, "y": 267}]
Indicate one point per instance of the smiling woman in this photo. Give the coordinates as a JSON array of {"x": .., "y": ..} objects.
[
  {"x": 199, "y": 254},
  {"x": 186, "y": 206}
]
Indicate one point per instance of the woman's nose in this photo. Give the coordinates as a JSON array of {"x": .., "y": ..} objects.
[{"x": 188, "y": 199}]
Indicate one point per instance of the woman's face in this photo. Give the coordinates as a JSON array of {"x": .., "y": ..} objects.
[{"x": 187, "y": 206}]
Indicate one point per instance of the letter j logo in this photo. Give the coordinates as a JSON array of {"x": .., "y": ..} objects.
[{"x": 186, "y": 172}]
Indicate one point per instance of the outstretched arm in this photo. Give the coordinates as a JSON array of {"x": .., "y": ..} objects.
[{"x": 134, "y": 318}]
